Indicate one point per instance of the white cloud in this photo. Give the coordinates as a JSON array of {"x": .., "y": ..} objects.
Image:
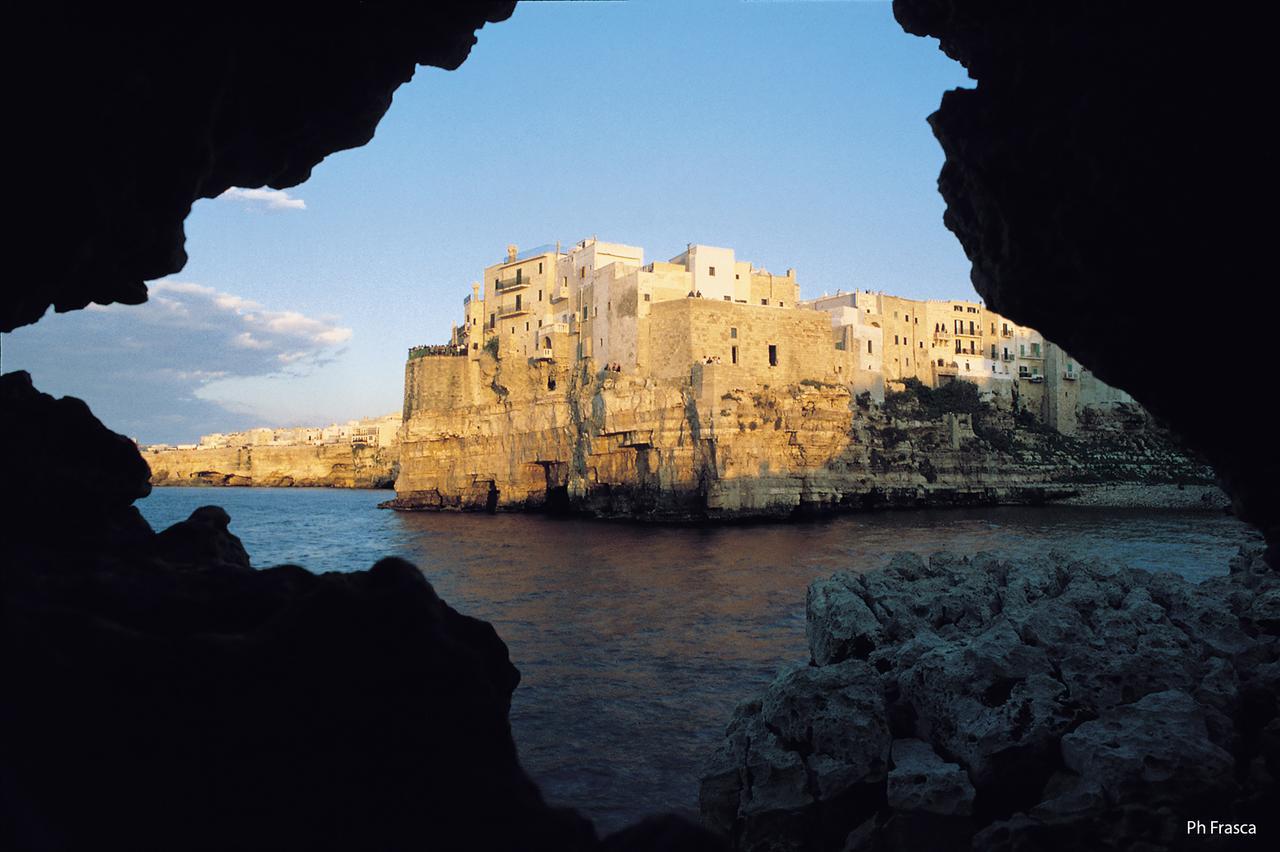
[
  {"x": 272, "y": 199},
  {"x": 148, "y": 369}
]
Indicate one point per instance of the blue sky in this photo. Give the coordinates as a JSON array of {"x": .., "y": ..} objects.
[{"x": 793, "y": 132}]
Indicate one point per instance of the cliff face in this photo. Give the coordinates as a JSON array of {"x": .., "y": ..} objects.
[
  {"x": 488, "y": 434},
  {"x": 327, "y": 465}
]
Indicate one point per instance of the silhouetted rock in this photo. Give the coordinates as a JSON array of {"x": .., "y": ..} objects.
[
  {"x": 1092, "y": 198},
  {"x": 160, "y": 693},
  {"x": 1058, "y": 702},
  {"x": 129, "y": 117}
]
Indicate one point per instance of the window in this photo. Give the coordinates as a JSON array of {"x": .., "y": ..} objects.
[
  {"x": 957, "y": 308},
  {"x": 782, "y": 304},
  {"x": 921, "y": 344},
  {"x": 711, "y": 270},
  {"x": 539, "y": 295},
  {"x": 728, "y": 298},
  {"x": 648, "y": 297},
  {"x": 582, "y": 272},
  {"x": 764, "y": 301},
  {"x": 517, "y": 301},
  {"x": 526, "y": 326},
  {"x": 773, "y": 355},
  {"x": 868, "y": 347},
  {"x": 733, "y": 333},
  {"x": 733, "y": 355},
  {"x": 492, "y": 319},
  {"x": 539, "y": 268},
  {"x": 584, "y": 311},
  {"x": 518, "y": 275},
  {"x": 895, "y": 340}
]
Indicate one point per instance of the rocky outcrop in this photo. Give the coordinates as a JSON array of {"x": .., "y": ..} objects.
[
  {"x": 488, "y": 434},
  {"x": 322, "y": 466},
  {"x": 976, "y": 703},
  {"x": 160, "y": 693}
]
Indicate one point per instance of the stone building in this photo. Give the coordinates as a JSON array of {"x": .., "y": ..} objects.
[{"x": 601, "y": 303}]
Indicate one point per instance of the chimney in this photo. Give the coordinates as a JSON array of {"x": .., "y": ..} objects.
[
  {"x": 475, "y": 290},
  {"x": 511, "y": 252}
]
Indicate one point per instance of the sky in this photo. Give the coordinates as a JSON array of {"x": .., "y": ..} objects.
[{"x": 793, "y": 132}]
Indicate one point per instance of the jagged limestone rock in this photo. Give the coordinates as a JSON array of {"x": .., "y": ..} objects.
[{"x": 1039, "y": 704}]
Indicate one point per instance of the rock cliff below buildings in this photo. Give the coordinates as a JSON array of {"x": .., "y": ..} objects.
[
  {"x": 962, "y": 703},
  {"x": 484, "y": 434},
  {"x": 324, "y": 465}
]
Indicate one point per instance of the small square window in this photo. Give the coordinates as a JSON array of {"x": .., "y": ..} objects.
[
  {"x": 733, "y": 333},
  {"x": 711, "y": 270},
  {"x": 648, "y": 297}
]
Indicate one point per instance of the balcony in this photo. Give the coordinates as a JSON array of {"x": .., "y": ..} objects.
[
  {"x": 1039, "y": 356},
  {"x": 513, "y": 311},
  {"x": 1008, "y": 356},
  {"x": 508, "y": 284},
  {"x": 545, "y": 355},
  {"x": 1070, "y": 375},
  {"x": 1006, "y": 332}
]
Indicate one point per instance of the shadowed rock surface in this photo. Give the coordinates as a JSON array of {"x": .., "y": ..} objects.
[
  {"x": 1097, "y": 176},
  {"x": 952, "y": 702},
  {"x": 161, "y": 693}
]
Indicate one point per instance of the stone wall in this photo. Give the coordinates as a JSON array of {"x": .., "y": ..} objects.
[{"x": 705, "y": 328}]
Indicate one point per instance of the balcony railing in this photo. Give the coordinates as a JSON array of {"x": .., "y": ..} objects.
[
  {"x": 506, "y": 313},
  {"x": 546, "y": 355},
  {"x": 512, "y": 284}
]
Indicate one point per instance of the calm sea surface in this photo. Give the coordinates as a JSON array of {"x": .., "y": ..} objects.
[{"x": 636, "y": 642}]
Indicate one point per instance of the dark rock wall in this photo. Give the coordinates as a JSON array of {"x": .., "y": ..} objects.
[
  {"x": 1104, "y": 177},
  {"x": 128, "y": 117}
]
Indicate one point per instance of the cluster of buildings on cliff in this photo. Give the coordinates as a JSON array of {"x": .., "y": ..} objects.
[
  {"x": 369, "y": 432},
  {"x": 601, "y": 301}
]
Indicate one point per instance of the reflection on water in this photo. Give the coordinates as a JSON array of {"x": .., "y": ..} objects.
[{"x": 636, "y": 642}]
